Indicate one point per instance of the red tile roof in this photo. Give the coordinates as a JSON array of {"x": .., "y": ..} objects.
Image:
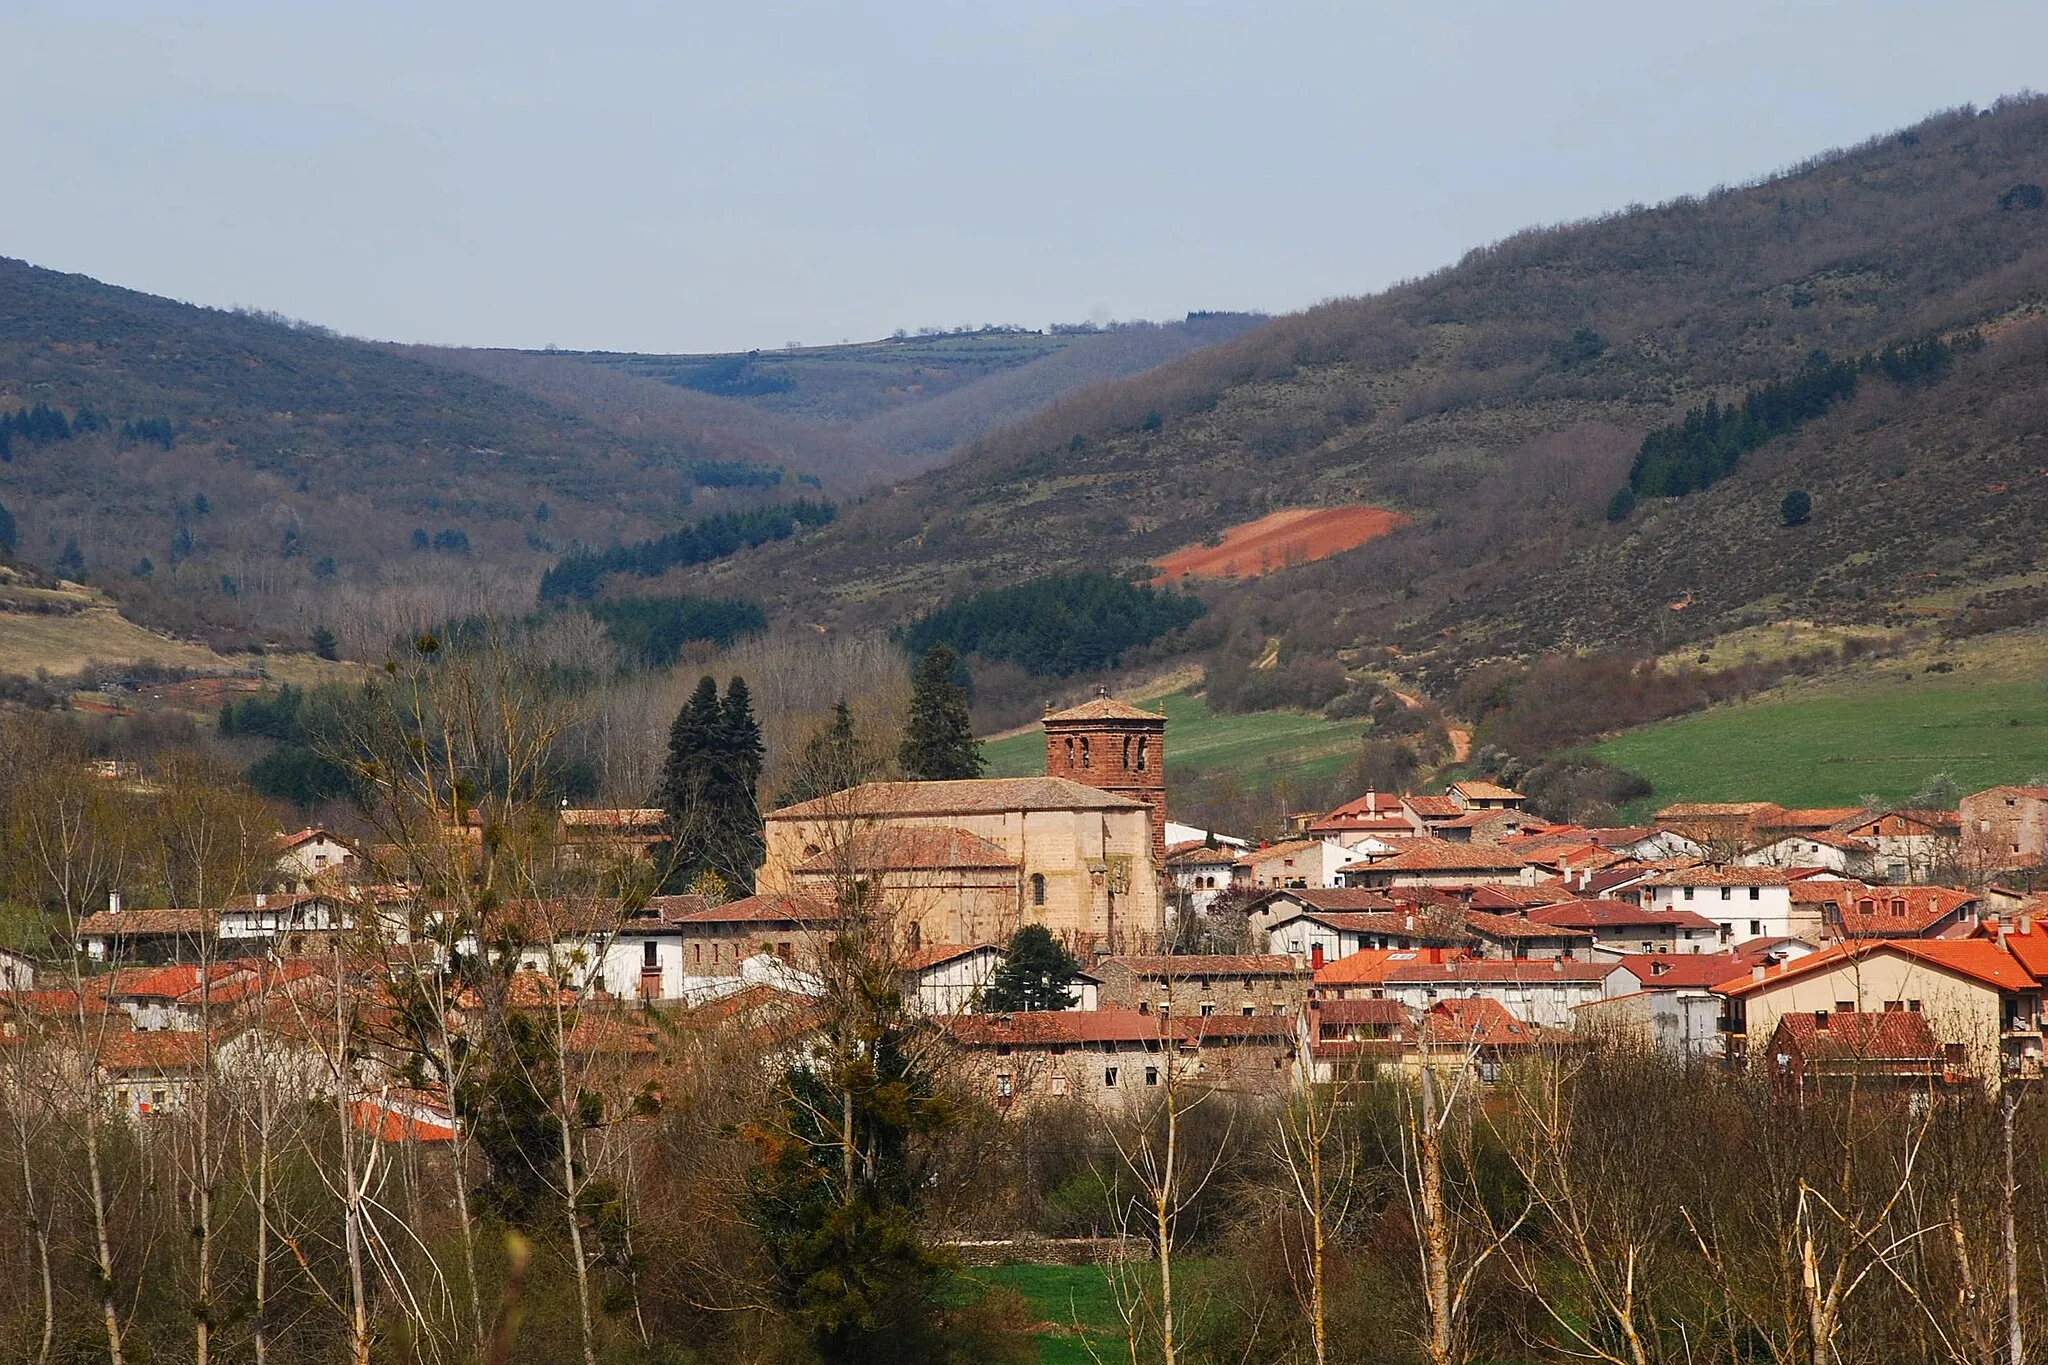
[
  {"x": 1512, "y": 971},
  {"x": 1436, "y": 855},
  {"x": 1682, "y": 971},
  {"x": 1480, "y": 1022},
  {"x": 146, "y": 923},
  {"x": 1289, "y": 849},
  {"x": 1333, "y": 898},
  {"x": 1604, "y": 914},
  {"x": 1485, "y": 791},
  {"x": 1723, "y": 875},
  {"x": 969, "y": 796},
  {"x": 1980, "y": 960},
  {"x": 1878, "y": 911},
  {"x": 1490, "y": 925},
  {"x": 1103, "y": 708},
  {"x": 1433, "y": 807},
  {"x": 1368, "y": 968},
  {"x": 937, "y": 954},
  {"x": 911, "y": 849}
]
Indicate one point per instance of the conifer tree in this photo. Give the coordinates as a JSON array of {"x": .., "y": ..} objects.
[
  {"x": 939, "y": 743},
  {"x": 1037, "y": 974},
  {"x": 832, "y": 760},
  {"x": 708, "y": 786}
]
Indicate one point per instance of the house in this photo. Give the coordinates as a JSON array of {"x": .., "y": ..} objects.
[
  {"x": 397, "y": 1115},
  {"x": 1487, "y": 825},
  {"x": 1359, "y": 1039},
  {"x": 1521, "y": 935},
  {"x": 1855, "y": 910},
  {"x": 1743, "y": 902},
  {"x": 1438, "y": 862},
  {"x": 1534, "y": 992},
  {"x": 1376, "y": 821},
  {"x": 1197, "y": 872},
  {"x": 2004, "y": 828},
  {"x": 1619, "y": 927},
  {"x": 1425, "y": 813},
  {"x": 1823, "y": 849},
  {"x": 1863, "y": 1051},
  {"x": 147, "y": 1074},
  {"x": 1363, "y": 975},
  {"x": 719, "y": 938},
  {"x": 17, "y": 973},
  {"x": 610, "y": 834},
  {"x": 1477, "y": 795},
  {"x": 1263, "y": 915},
  {"x": 945, "y": 979},
  {"x": 1976, "y": 995},
  {"x": 1296, "y": 863},
  {"x": 309, "y": 855},
  {"x": 1116, "y": 1058},
  {"x": 280, "y": 914},
  {"x": 1909, "y": 845},
  {"x": 1317, "y": 937},
  {"x": 1663, "y": 1001},
  {"x": 1645, "y": 842},
  {"x": 116, "y": 934},
  {"x": 1243, "y": 984},
  {"x": 644, "y": 953},
  {"x": 1719, "y": 826}
]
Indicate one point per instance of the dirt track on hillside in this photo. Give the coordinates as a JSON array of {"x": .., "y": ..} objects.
[{"x": 1294, "y": 535}]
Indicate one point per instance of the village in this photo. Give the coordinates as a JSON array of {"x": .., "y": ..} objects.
[{"x": 1397, "y": 932}]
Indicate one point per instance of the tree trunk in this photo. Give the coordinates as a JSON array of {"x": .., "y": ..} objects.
[
  {"x": 1436, "y": 1250},
  {"x": 109, "y": 1313},
  {"x": 2015, "y": 1344}
]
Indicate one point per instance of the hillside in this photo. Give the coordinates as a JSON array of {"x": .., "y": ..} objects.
[
  {"x": 265, "y": 470},
  {"x": 848, "y": 414},
  {"x": 1498, "y": 404}
]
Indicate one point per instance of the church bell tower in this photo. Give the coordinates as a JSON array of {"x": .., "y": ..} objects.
[{"x": 1108, "y": 744}]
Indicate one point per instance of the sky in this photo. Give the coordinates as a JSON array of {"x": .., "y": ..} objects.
[{"x": 687, "y": 177}]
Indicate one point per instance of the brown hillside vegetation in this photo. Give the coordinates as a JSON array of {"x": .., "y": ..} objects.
[
  {"x": 1279, "y": 540},
  {"x": 1498, "y": 404}
]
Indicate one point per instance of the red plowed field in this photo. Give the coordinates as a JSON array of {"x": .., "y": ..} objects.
[{"x": 1294, "y": 535}]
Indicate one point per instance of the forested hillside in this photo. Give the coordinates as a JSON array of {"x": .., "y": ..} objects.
[
  {"x": 226, "y": 472},
  {"x": 1502, "y": 402}
]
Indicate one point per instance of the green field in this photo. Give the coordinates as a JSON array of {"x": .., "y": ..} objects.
[
  {"x": 1071, "y": 1303},
  {"x": 1261, "y": 745},
  {"x": 1879, "y": 732}
]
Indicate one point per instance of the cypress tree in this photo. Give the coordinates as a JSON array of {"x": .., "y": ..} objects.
[
  {"x": 742, "y": 841},
  {"x": 7, "y": 532},
  {"x": 833, "y": 760},
  {"x": 708, "y": 788},
  {"x": 939, "y": 743}
]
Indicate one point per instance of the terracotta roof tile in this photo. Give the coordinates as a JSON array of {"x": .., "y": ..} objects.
[
  {"x": 1485, "y": 791},
  {"x": 910, "y": 849},
  {"x": 1862, "y": 1035},
  {"x": 1102, "y": 708},
  {"x": 1682, "y": 971},
  {"x": 1605, "y": 914},
  {"x": 1368, "y": 968},
  {"x": 1722, "y": 875},
  {"x": 766, "y": 907},
  {"x": 970, "y": 796},
  {"x": 1511, "y": 971},
  {"x": 1435, "y": 855},
  {"x": 1980, "y": 960},
  {"x": 1432, "y": 807}
]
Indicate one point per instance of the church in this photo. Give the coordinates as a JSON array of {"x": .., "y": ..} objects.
[{"x": 1079, "y": 850}]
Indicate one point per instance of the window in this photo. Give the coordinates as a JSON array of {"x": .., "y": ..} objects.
[
  {"x": 1898, "y": 907},
  {"x": 1151, "y": 1075},
  {"x": 1913, "y": 1006},
  {"x": 1059, "y": 1083},
  {"x": 916, "y": 936},
  {"x": 650, "y": 954},
  {"x": 1109, "y": 1078},
  {"x": 1038, "y": 888},
  {"x": 1246, "y": 1011},
  {"x": 1756, "y": 928},
  {"x": 1727, "y": 893},
  {"x": 1845, "y": 1007},
  {"x": 1208, "y": 1008},
  {"x": 1141, "y": 753},
  {"x": 783, "y": 951},
  {"x": 1688, "y": 893},
  {"x": 1756, "y": 893},
  {"x": 1084, "y": 752},
  {"x": 1002, "y": 1089},
  {"x": 697, "y": 953}
]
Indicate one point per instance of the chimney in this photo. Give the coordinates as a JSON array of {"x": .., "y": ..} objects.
[
  {"x": 1557, "y": 965},
  {"x": 113, "y": 902},
  {"x": 2026, "y": 924},
  {"x": 1820, "y": 1020},
  {"x": 1756, "y": 973},
  {"x": 262, "y": 900},
  {"x": 1408, "y": 922},
  {"x": 1436, "y": 956}
]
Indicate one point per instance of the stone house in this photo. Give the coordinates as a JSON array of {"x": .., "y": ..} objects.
[
  {"x": 1118, "y": 1058},
  {"x": 2004, "y": 828},
  {"x": 1243, "y": 984}
]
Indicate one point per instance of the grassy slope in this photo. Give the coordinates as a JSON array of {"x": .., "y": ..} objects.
[
  {"x": 94, "y": 631},
  {"x": 1883, "y": 730},
  {"x": 1263, "y": 744},
  {"x": 1074, "y": 1303}
]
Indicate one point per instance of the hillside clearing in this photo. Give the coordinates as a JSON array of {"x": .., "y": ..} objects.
[
  {"x": 1978, "y": 713},
  {"x": 1259, "y": 746},
  {"x": 1278, "y": 540}
]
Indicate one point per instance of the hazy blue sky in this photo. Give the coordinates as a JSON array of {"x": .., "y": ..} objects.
[{"x": 696, "y": 177}]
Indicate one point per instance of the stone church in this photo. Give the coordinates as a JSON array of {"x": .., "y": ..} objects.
[{"x": 1080, "y": 850}]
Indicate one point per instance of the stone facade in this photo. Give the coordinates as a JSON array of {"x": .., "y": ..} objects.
[{"x": 1107, "y": 744}]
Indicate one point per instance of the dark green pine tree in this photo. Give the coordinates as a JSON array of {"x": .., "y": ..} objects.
[
  {"x": 687, "y": 782},
  {"x": 1037, "y": 974},
  {"x": 939, "y": 743},
  {"x": 832, "y": 760},
  {"x": 741, "y": 842},
  {"x": 6, "y": 528}
]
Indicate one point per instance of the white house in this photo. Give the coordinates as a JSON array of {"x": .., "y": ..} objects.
[
  {"x": 1535, "y": 992},
  {"x": 1177, "y": 833},
  {"x": 945, "y": 978},
  {"x": 1815, "y": 848},
  {"x": 309, "y": 854},
  {"x": 1298, "y": 862},
  {"x": 1197, "y": 873},
  {"x": 275, "y": 914},
  {"x": 1743, "y": 902}
]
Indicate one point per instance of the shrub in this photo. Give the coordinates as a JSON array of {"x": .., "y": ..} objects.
[
  {"x": 1796, "y": 508},
  {"x": 1057, "y": 626}
]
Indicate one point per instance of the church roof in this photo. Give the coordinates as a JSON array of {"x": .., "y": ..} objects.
[
  {"x": 1104, "y": 708},
  {"x": 918, "y": 848},
  {"x": 970, "y": 796}
]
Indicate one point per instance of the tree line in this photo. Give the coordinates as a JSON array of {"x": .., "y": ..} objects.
[
  {"x": 1059, "y": 625},
  {"x": 578, "y": 575},
  {"x": 1689, "y": 456}
]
